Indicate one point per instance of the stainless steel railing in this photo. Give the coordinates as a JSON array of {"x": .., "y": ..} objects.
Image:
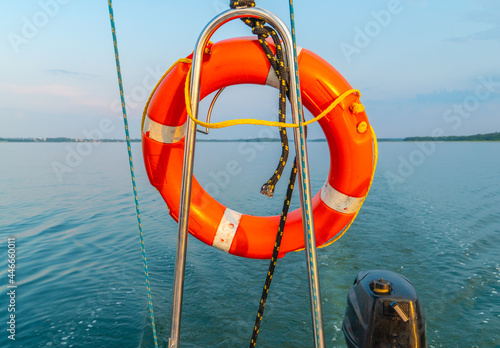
[{"x": 303, "y": 170}]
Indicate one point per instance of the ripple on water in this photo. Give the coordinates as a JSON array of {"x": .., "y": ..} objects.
[{"x": 81, "y": 277}]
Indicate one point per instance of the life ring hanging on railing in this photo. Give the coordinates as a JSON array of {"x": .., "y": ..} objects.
[{"x": 349, "y": 137}]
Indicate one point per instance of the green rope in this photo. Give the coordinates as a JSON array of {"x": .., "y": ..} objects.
[
  {"x": 304, "y": 178},
  {"x": 125, "y": 122}
]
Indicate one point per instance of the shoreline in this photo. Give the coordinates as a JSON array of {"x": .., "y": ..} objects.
[{"x": 491, "y": 137}]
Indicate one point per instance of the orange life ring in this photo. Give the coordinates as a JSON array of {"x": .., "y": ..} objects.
[{"x": 350, "y": 141}]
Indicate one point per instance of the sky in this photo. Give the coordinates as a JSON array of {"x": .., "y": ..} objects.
[{"x": 423, "y": 67}]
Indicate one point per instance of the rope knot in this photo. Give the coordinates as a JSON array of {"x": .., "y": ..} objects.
[
  {"x": 356, "y": 108},
  {"x": 267, "y": 190}
]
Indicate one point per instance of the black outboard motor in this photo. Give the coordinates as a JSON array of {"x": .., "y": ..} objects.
[{"x": 383, "y": 310}]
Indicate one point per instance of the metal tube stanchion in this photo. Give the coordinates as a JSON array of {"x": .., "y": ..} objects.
[{"x": 304, "y": 184}]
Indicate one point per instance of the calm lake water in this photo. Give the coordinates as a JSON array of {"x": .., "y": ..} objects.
[{"x": 433, "y": 215}]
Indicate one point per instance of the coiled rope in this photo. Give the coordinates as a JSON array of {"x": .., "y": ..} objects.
[
  {"x": 278, "y": 63},
  {"x": 131, "y": 163}
]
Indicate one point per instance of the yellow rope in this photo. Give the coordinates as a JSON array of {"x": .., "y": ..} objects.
[
  {"x": 181, "y": 60},
  {"x": 355, "y": 107},
  {"x": 241, "y": 121}
]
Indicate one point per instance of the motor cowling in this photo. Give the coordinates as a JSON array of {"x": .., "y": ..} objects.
[{"x": 383, "y": 310}]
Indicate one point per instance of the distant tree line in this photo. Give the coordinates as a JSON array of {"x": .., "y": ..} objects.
[
  {"x": 62, "y": 140},
  {"x": 477, "y": 137}
]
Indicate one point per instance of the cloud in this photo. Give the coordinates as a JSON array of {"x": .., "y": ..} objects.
[
  {"x": 486, "y": 13},
  {"x": 458, "y": 96},
  {"x": 51, "y": 98},
  {"x": 489, "y": 34},
  {"x": 52, "y": 89},
  {"x": 69, "y": 72},
  {"x": 442, "y": 96}
]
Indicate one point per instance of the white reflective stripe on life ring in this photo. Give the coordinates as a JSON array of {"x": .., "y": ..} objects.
[
  {"x": 339, "y": 201},
  {"x": 227, "y": 229},
  {"x": 163, "y": 134}
]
